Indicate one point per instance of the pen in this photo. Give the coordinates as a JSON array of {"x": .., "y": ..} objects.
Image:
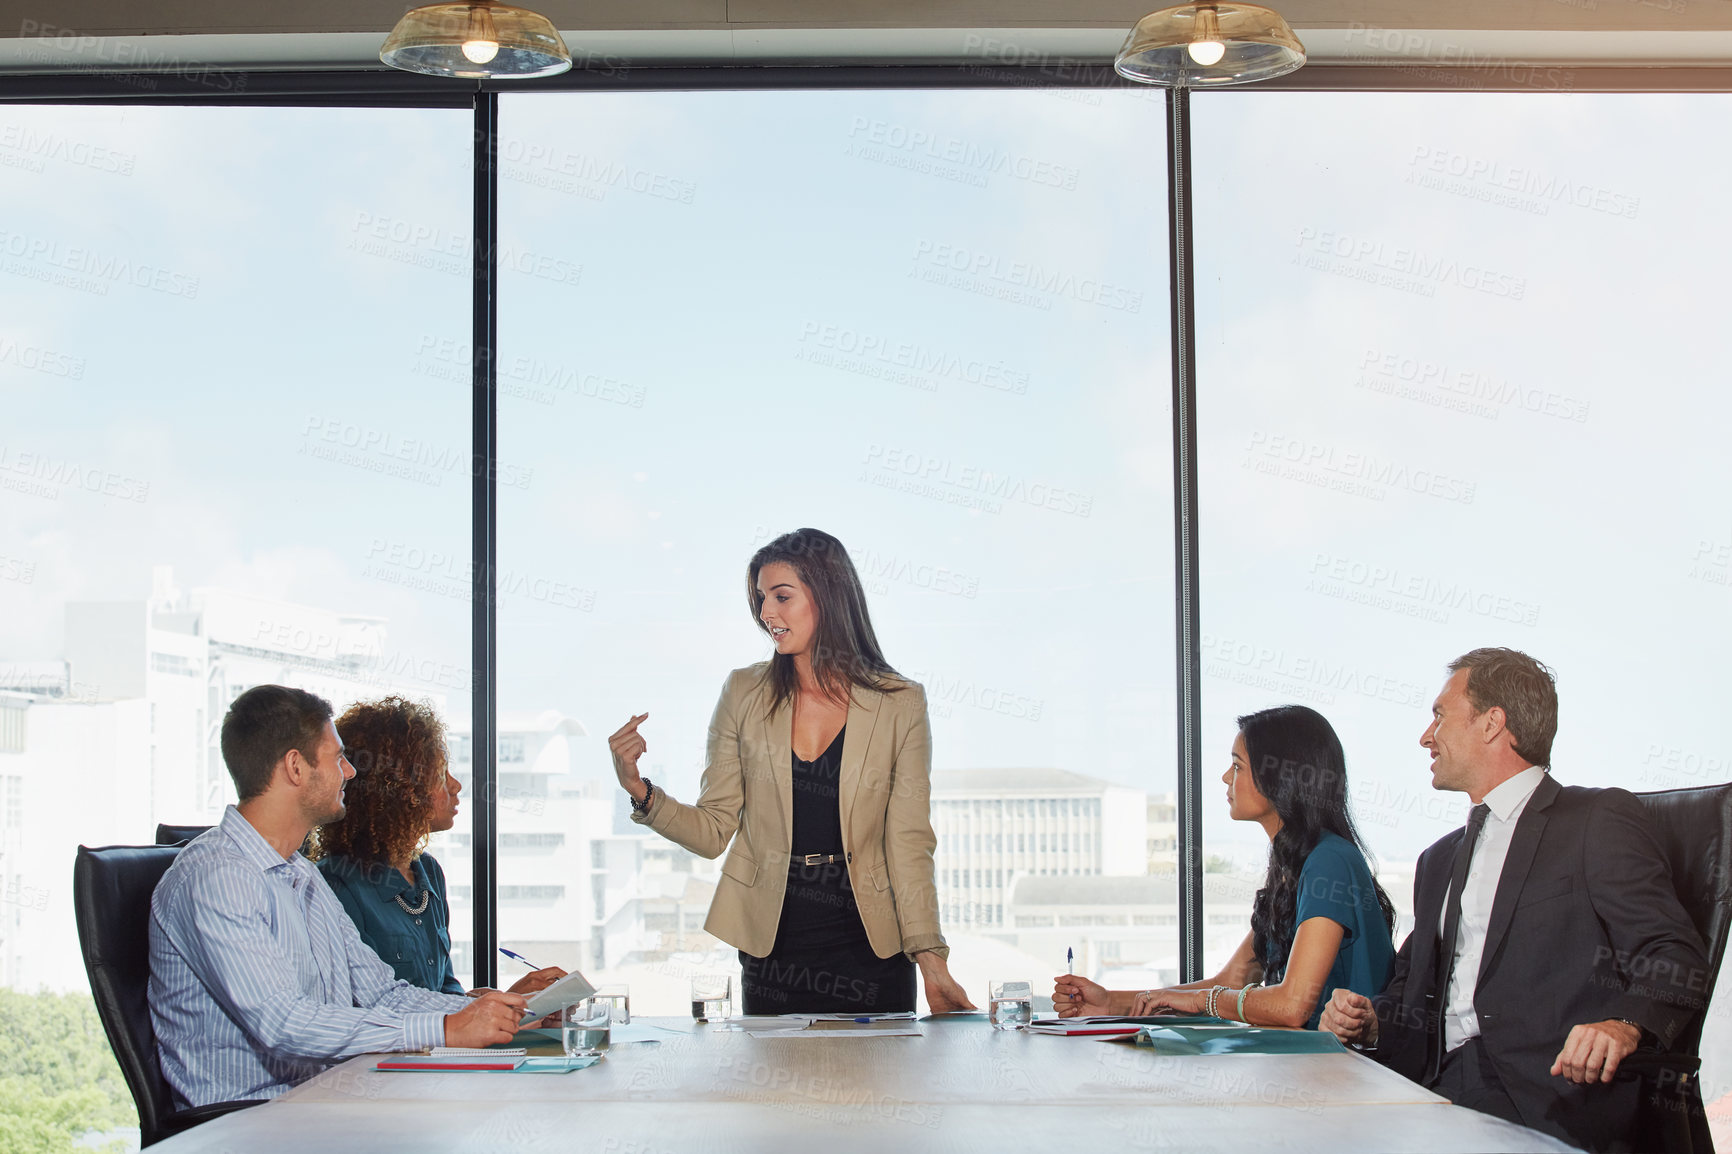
[
  {"x": 519, "y": 958},
  {"x": 1069, "y": 957}
]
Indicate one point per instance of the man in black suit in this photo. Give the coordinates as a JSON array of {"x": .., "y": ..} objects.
[{"x": 1566, "y": 946}]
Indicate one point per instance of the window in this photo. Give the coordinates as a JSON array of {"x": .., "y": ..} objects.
[
  {"x": 12, "y": 718},
  {"x": 220, "y": 466},
  {"x": 531, "y": 893},
  {"x": 513, "y": 840},
  {"x": 1478, "y": 379},
  {"x": 984, "y": 401}
]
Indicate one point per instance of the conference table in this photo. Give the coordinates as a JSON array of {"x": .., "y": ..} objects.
[{"x": 671, "y": 1086}]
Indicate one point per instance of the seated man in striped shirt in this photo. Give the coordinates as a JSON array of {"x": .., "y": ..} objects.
[{"x": 258, "y": 979}]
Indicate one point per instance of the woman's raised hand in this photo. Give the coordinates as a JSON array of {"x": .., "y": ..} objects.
[
  {"x": 628, "y": 745},
  {"x": 1074, "y": 997}
]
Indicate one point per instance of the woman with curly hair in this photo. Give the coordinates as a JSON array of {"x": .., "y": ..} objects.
[
  {"x": 402, "y": 792},
  {"x": 1319, "y": 923}
]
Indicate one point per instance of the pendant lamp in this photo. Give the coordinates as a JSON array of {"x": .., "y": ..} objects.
[
  {"x": 1209, "y": 45},
  {"x": 480, "y": 41}
]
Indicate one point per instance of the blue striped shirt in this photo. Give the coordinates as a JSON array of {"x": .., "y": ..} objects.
[{"x": 258, "y": 979}]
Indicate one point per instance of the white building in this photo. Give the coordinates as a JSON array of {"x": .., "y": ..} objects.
[
  {"x": 996, "y": 825},
  {"x": 1124, "y": 931},
  {"x": 123, "y": 733},
  {"x": 579, "y": 886}
]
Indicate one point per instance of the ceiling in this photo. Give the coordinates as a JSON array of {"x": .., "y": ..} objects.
[{"x": 61, "y": 35}]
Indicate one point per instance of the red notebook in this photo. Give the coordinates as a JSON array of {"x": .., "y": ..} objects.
[{"x": 426, "y": 1062}]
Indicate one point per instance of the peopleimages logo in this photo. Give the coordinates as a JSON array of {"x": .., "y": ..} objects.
[
  {"x": 42, "y": 475},
  {"x": 1375, "y": 260},
  {"x": 1464, "y": 390},
  {"x": 1544, "y": 188},
  {"x": 1361, "y": 474},
  {"x": 991, "y": 269},
  {"x": 974, "y": 160},
  {"x": 923, "y": 361},
  {"x": 943, "y": 472},
  {"x": 54, "y": 146},
  {"x": 102, "y": 268}
]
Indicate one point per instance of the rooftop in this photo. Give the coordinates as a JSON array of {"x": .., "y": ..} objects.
[{"x": 949, "y": 783}]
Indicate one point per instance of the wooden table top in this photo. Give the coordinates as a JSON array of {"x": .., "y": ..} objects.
[{"x": 668, "y": 1086}]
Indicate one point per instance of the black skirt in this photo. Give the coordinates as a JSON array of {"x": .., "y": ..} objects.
[{"x": 821, "y": 962}]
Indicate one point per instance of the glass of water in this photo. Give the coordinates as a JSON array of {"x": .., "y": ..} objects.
[
  {"x": 585, "y": 1027},
  {"x": 712, "y": 996},
  {"x": 618, "y": 999},
  {"x": 1012, "y": 1004}
]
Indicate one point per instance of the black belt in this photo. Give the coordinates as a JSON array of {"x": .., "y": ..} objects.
[{"x": 813, "y": 859}]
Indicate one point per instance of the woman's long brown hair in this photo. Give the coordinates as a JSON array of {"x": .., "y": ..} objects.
[{"x": 845, "y": 650}]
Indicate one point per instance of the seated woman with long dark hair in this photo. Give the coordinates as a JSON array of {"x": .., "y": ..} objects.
[
  {"x": 1319, "y": 923},
  {"x": 402, "y": 792}
]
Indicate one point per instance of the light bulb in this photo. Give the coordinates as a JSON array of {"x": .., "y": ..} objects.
[
  {"x": 1205, "y": 46},
  {"x": 481, "y": 38},
  {"x": 481, "y": 51},
  {"x": 1204, "y": 52}
]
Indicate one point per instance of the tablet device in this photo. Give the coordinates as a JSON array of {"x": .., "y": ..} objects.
[{"x": 569, "y": 990}]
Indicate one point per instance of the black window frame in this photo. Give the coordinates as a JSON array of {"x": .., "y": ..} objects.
[{"x": 380, "y": 88}]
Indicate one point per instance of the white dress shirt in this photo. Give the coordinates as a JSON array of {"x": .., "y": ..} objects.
[
  {"x": 259, "y": 980},
  {"x": 1504, "y": 807}
]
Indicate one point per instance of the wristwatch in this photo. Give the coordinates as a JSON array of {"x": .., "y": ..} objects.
[{"x": 649, "y": 789}]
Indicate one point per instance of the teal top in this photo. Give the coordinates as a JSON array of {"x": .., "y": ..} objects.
[
  {"x": 1337, "y": 884},
  {"x": 416, "y": 946}
]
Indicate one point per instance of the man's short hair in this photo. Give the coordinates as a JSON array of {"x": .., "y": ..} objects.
[
  {"x": 1523, "y": 688},
  {"x": 265, "y": 723}
]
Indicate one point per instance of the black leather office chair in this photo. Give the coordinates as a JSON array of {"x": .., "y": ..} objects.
[
  {"x": 111, "y": 890},
  {"x": 177, "y": 834},
  {"x": 1694, "y": 829}
]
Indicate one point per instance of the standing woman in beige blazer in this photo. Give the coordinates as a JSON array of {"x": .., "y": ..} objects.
[{"x": 819, "y": 772}]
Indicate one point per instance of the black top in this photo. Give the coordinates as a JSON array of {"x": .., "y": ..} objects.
[
  {"x": 818, "y": 801},
  {"x": 822, "y": 962}
]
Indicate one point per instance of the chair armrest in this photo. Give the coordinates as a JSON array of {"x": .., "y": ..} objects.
[
  {"x": 1649, "y": 1065},
  {"x": 186, "y": 1119}
]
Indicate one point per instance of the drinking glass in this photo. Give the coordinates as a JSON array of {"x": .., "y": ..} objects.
[
  {"x": 712, "y": 996},
  {"x": 619, "y": 999},
  {"x": 1012, "y": 1004},
  {"x": 585, "y": 1027}
]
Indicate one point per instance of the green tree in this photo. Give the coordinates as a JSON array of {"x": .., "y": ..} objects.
[{"x": 60, "y": 1080}]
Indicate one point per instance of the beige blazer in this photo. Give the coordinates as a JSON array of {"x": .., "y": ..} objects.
[{"x": 747, "y": 795}]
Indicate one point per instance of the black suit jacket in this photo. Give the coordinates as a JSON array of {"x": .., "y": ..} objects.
[{"x": 1585, "y": 926}]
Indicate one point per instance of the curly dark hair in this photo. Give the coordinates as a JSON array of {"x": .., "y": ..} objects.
[
  {"x": 1298, "y": 765},
  {"x": 398, "y": 750}
]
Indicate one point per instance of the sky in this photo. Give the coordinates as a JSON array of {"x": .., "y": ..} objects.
[{"x": 1458, "y": 386}]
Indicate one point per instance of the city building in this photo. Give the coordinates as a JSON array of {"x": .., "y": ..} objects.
[{"x": 997, "y": 825}]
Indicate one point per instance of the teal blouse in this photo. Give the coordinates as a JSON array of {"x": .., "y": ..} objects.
[
  {"x": 1337, "y": 884},
  {"x": 416, "y": 946}
]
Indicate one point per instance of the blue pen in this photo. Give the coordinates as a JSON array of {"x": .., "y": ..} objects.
[
  {"x": 518, "y": 958},
  {"x": 1069, "y": 957}
]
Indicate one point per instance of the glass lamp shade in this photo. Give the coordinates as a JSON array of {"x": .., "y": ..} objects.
[
  {"x": 476, "y": 42},
  {"x": 1242, "y": 43}
]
